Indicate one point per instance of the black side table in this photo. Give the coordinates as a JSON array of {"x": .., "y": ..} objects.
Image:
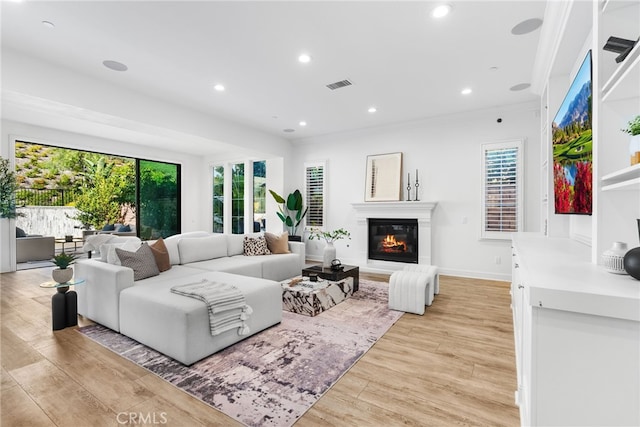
[
  {"x": 64, "y": 304},
  {"x": 335, "y": 275}
]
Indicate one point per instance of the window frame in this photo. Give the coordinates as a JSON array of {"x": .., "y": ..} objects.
[
  {"x": 517, "y": 144},
  {"x": 307, "y": 166}
]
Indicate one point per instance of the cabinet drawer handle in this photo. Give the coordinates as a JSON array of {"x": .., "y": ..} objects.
[
  {"x": 516, "y": 265},
  {"x": 520, "y": 286}
]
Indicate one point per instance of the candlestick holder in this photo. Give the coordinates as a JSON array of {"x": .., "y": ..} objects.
[
  {"x": 417, "y": 185},
  {"x": 408, "y": 192}
]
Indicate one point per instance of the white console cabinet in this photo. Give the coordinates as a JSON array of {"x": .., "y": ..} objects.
[{"x": 577, "y": 336}]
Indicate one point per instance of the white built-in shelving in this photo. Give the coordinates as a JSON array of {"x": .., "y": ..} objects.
[
  {"x": 616, "y": 102},
  {"x": 625, "y": 80},
  {"x": 623, "y": 179}
]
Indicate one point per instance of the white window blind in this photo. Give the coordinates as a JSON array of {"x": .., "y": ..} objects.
[
  {"x": 315, "y": 189},
  {"x": 501, "y": 189}
]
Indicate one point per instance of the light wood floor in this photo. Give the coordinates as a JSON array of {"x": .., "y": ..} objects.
[{"x": 453, "y": 366}]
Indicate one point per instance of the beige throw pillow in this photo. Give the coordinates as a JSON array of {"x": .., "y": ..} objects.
[{"x": 278, "y": 244}]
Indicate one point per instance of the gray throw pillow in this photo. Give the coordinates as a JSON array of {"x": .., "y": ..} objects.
[{"x": 142, "y": 262}]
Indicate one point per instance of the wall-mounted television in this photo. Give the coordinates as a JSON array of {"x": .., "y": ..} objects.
[{"x": 572, "y": 146}]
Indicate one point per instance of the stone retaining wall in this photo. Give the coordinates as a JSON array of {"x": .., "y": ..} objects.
[{"x": 49, "y": 221}]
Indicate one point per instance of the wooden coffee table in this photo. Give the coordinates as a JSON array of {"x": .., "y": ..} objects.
[
  {"x": 335, "y": 275},
  {"x": 301, "y": 296}
]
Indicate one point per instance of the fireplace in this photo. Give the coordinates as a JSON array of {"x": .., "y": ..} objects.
[
  {"x": 393, "y": 239},
  {"x": 415, "y": 211}
]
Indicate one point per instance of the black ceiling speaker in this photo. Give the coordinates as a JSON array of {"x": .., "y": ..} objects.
[{"x": 621, "y": 46}]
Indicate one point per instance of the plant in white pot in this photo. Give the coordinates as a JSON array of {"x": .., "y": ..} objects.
[
  {"x": 329, "y": 252},
  {"x": 63, "y": 273},
  {"x": 633, "y": 129}
]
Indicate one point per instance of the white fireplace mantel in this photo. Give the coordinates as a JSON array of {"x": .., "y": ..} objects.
[{"x": 422, "y": 211}]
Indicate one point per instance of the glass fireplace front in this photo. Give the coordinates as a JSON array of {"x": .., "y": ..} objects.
[{"x": 393, "y": 240}]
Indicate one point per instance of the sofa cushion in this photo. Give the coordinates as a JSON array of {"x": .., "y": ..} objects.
[
  {"x": 109, "y": 227},
  {"x": 108, "y": 250},
  {"x": 178, "y": 326},
  {"x": 255, "y": 246},
  {"x": 202, "y": 248},
  {"x": 281, "y": 266},
  {"x": 235, "y": 243},
  {"x": 142, "y": 262},
  {"x": 20, "y": 233},
  {"x": 237, "y": 264},
  {"x": 161, "y": 254},
  {"x": 278, "y": 244},
  {"x": 171, "y": 243}
]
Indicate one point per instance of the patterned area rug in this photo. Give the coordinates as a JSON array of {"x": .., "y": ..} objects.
[{"x": 275, "y": 376}]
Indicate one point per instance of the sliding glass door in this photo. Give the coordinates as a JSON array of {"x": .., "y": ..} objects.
[{"x": 158, "y": 213}]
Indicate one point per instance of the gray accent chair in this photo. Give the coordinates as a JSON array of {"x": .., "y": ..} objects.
[{"x": 35, "y": 248}]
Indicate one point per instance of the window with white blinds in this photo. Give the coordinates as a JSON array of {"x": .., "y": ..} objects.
[
  {"x": 502, "y": 207},
  {"x": 315, "y": 191}
]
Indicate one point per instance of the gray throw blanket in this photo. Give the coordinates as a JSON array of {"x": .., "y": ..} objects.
[{"x": 227, "y": 306}]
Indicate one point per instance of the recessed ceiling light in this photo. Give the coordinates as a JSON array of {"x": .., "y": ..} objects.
[
  {"x": 372, "y": 109},
  {"x": 521, "y": 86},
  {"x": 527, "y": 26},
  {"x": 219, "y": 87},
  {"x": 48, "y": 24},
  {"x": 493, "y": 68},
  {"x": 304, "y": 58},
  {"x": 302, "y": 123},
  {"x": 466, "y": 91},
  {"x": 115, "y": 65},
  {"x": 288, "y": 130},
  {"x": 441, "y": 11}
]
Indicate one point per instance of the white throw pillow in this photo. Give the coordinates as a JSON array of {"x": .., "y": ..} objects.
[
  {"x": 108, "y": 250},
  {"x": 202, "y": 248}
]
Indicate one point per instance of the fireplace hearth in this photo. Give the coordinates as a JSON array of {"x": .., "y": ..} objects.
[{"x": 393, "y": 240}]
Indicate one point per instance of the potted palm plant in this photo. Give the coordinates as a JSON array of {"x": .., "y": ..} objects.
[
  {"x": 291, "y": 212},
  {"x": 63, "y": 273}
]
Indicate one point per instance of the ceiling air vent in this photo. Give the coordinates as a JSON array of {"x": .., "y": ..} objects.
[{"x": 338, "y": 85}]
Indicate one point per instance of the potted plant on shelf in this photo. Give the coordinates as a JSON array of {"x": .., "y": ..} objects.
[
  {"x": 329, "y": 252},
  {"x": 291, "y": 212},
  {"x": 633, "y": 129},
  {"x": 63, "y": 273}
]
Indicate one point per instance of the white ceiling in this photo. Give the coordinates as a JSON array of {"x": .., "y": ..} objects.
[{"x": 399, "y": 59}]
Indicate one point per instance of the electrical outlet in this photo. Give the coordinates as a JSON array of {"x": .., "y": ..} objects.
[
  {"x": 498, "y": 260},
  {"x": 465, "y": 219}
]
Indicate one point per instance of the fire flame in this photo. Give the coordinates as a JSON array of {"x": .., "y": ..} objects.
[{"x": 390, "y": 244}]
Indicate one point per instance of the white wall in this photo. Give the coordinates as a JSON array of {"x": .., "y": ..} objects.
[{"x": 447, "y": 152}]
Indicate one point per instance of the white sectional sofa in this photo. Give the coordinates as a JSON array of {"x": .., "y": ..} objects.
[{"x": 175, "y": 325}]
